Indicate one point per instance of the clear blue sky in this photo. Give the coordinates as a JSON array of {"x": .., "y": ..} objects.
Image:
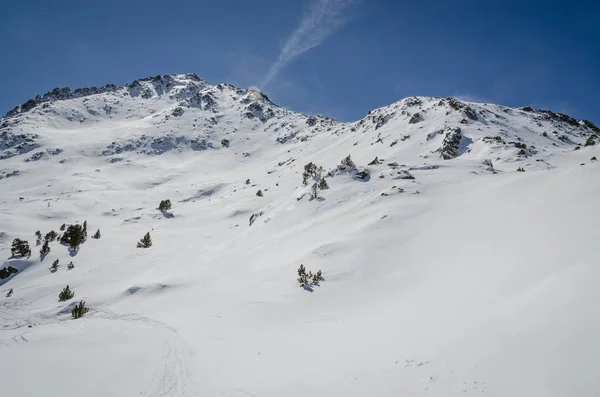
[{"x": 539, "y": 53}]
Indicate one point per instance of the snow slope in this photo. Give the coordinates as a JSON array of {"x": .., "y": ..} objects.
[{"x": 446, "y": 271}]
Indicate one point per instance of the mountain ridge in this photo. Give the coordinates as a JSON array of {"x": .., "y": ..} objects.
[
  {"x": 167, "y": 105},
  {"x": 66, "y": 93}
]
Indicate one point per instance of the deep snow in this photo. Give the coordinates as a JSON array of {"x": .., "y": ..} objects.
[{"x": 469, "y": 278}]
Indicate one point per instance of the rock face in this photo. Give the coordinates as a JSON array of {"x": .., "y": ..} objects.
[
  {"x": 451, "y": 143},
  {"x": 6, "y": 272},
  {"x": 415, "y": 119}
]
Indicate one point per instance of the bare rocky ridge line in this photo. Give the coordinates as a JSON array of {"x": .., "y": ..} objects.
[{"x": 184, "y": 112}]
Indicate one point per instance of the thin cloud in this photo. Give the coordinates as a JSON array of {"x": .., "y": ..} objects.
[
  {"x": 323, "y": 18},
  {"x": 472, "y": 98}
]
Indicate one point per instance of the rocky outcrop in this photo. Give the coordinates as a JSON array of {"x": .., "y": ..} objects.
[{"x": 451, "y": 143}]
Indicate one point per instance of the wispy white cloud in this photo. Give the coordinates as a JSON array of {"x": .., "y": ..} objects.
[
  {"x": 472, "y": 98},
  {"x": 322, "y": 19}
]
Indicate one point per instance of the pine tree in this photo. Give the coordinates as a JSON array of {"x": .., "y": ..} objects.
[
  {"x": 314, "y": 191},
  {"x": 318, "y": 276},
  {"x": 62, "y": 227},
  {"x": 259, "y": 193},
  {"x": 145, "y": 242},
  {"x": 38, "y": 236},
  {"x": 9, "y": 293},
  {"x": 20, "y": 248},
  {"x": 71, "y": 266},
  {"x": 310, "y": 171},
  {"x": 347, "y": 162},
  {"x": 302, "y": 276},
  {"x": 54, "y": 266},
  {"x": 74, "y": 236},
  {"x": 45, "y": 248},
  {"x": 65, "y": 294},
  {"x": 323, "y": 184},
  {"x": 96, "y": 235},
  {"x": 165, "y": 205},
  {"x": 308, "y": 279},
  {"x": 79, "y": 310},
  {"x": 50, "y": 236},
  {"x": 84, "y": 230}
]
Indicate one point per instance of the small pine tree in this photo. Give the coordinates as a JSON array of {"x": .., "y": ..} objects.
[
  {"x": 318, "y": 276},
  {"x": 145, "y": 242},
  {"x": 38, "y": 239},
  {"x": 307, "y": 279},
  {"x": 302, "y": 276},
  {"x": 347, "y": 162},
  {"x": 20, "y": 248},
  {"x": 96, "y": 235},
  {"x": 310, "y": 171},
  {"x": 65, "y": 294},
  {"x": 50, "y": 236},
  {"x": 323, "y": 184},
  {"x": 259, "y": 193},
  {"x": 248, "y": 181},
  {"x": 165, "y": 205},
  {"x": 45, "y": 248},
  {"x": 71, "y": 266},
  {"x": 590, "y": 141},
  {"x": 314, "y": 191},
  {"x": 79, "y": 310},
  {"x": 9, "y": 293},
  {"x": 62, "y": 227},
  {"x": 74, "y": 236},
  {"x": 84, "y": 231},
  {"x": 54, "y": 266}
]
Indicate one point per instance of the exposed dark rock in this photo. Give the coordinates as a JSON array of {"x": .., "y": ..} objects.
[
  {"x": 414, "y": 101},
  {"x": 403, "y": 175},
  {"x": 451, "y": 143},
  {"x": 6, "y": 272},
  {"x": 470, "y": 113},
  {"x": 590, "y": 125},
  {"x": 363, "y": 175},
  {"x": 257, "y": 110},
  {"x": 415, "y": 119}
]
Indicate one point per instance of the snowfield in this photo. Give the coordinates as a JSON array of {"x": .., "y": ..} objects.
[{"x": 447, "y": 272}]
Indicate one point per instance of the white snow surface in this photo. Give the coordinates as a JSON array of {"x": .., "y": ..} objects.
[{"x": 470, "y": 279}]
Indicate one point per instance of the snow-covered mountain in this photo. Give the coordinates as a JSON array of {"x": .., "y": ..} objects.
[{"x": 458, "y": 251}]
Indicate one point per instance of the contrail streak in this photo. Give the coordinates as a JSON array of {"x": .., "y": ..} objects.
[{"x": 323, "y": 18}]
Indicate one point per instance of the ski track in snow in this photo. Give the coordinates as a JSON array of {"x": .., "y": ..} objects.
[{"x": 173, "y": 381}]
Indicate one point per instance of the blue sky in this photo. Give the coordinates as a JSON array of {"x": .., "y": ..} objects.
[{"x": 358, "y": 55}]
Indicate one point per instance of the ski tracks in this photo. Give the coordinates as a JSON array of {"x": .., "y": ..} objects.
[{"x": 173, "y": 380}]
